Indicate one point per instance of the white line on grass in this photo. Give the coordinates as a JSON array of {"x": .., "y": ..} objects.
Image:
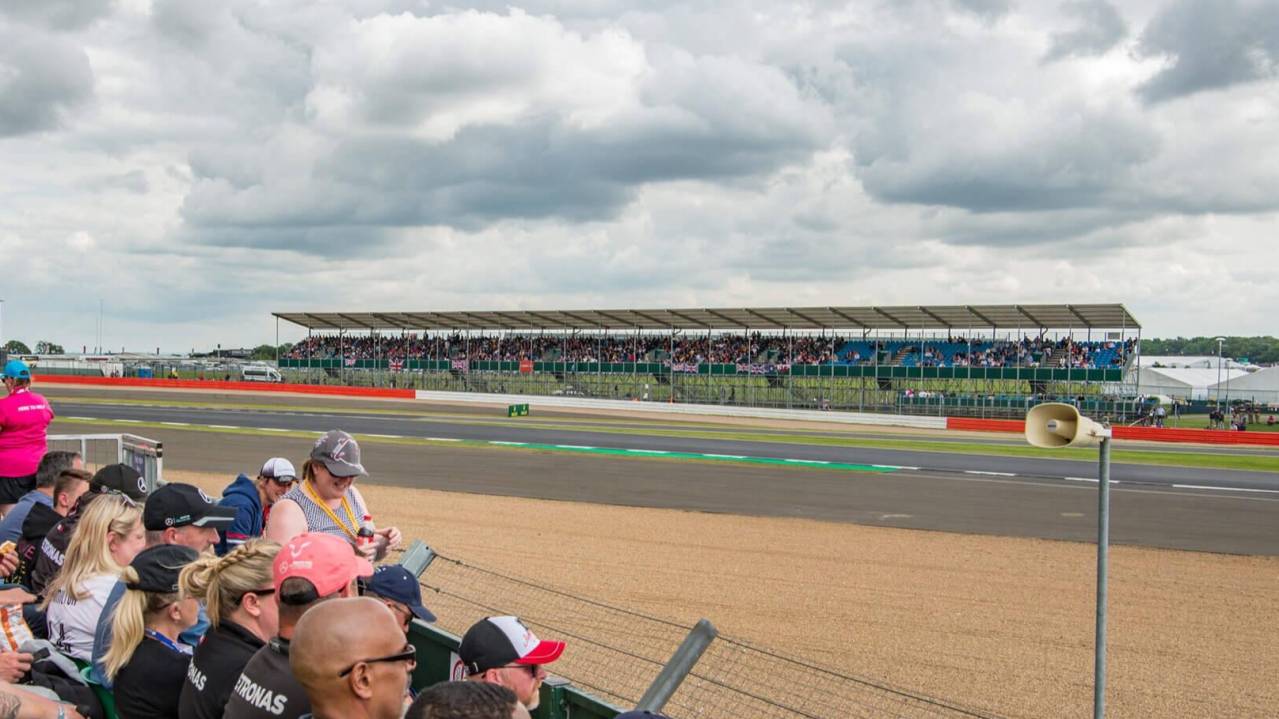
[
  {"x": 441, "y": 439},
  {"x": 808, "y": 461},
  {"x": 648, "y": 451},
  {"x": 990, "y": 474},
  {"x": 1226, "y": 489}
]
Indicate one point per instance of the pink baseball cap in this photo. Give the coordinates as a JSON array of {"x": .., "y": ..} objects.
[{"x": 324, "y": 560}]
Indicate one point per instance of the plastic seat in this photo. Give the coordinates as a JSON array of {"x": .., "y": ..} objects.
[{"x": 104, "y": 695}]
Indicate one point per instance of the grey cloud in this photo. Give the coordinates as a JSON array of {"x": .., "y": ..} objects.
[
  {"x": 1099, "y": 28},
  {"x": 987, "y": 9},
  {"x": 56, "y": 14},
  {"x": 41, "y": 79},
  {"x": 133, "y": 181},
  {"x": 1211, "y": 44}
]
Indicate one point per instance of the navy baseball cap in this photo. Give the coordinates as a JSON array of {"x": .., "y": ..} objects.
[{"x": 391, "y": 581}]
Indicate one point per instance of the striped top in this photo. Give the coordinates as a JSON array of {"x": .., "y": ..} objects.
[{"x": 317, "y": 520}]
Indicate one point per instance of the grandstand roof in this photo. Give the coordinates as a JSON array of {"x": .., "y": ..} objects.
[{"x": 935, "y": 317}]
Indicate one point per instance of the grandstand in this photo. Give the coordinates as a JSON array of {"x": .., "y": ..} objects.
[{"x": 960, "y": 359}]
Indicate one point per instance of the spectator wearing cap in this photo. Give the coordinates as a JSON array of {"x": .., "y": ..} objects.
[
  {"x": 117, "y": 479},
  {"x": 353, "y": 660},
  {"x": 502, "y": 650},
  {"x": 239, "y": 595},
  {"x": 252, "y": 501},
  {"x": 147, "y": 662},
  {"x": 310, "y": 569},
  {"x": 24, "y": 424},
  {"x": 466, "y": 700},
  {"x": 327, "y": 501},
  {"x": 176, "y": 514},
  {"x": 107, "y": 539},
  {"x": 51, "y": 465},
  {"x": 398, "y": 589}
]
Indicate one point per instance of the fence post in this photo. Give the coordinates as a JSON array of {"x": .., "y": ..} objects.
[
  {"x": 417, "y": 557},
  {"x": 677, "y": 669}
]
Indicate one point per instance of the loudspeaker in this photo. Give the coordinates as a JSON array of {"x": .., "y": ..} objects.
[{"x": 1060, "y": 425}]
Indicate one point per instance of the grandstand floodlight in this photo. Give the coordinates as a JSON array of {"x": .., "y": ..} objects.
[{"x": 1054, "y": 425}]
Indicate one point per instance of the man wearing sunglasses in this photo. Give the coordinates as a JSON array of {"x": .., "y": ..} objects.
[
  {"x": 353, "y": 660},
  {"x": 252, "y": 500},
  {"x": 502, "y": 650}
]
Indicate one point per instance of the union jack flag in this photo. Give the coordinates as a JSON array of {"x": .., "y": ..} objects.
[
  {"x": 397, "y": 365},
  {"x": 350, "y": 361}
]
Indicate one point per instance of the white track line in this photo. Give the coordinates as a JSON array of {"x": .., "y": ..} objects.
[
  {"x": 648, "y": 451},
  {"x": 573, "y": 446},
  {"x": 441, "y": 439},
  {"x": 130, "y": 421},
  {"x": 1094, "y": 480},
  {"x": 990, "y": 474},
  {"x": 808, "y": 461},
  {"x": 726, "y": 456},
  {"x": 1226, "y": 489},
  {"x": 223, "y": 426},
  {"x": 386, "y": 436},
  {"x": 507, "y": 444},
  {"x": 272, "y": 429},
  {"x": 895, "y": 466},
  {"x": 176, "y": 424}
]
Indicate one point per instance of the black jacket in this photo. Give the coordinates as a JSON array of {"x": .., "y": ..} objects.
[
  {"x": 214, "y": 669},
  {"x": 267, "y": 689}
]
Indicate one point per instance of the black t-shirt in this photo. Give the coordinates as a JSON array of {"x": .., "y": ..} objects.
[
  {"x": 53, "y": 549},
  {"x": 214, "y": 669},
  {"x": 150, "y": 685},
  {"x": 39, "y": 521},
  {"x": 267, "y": 689}
]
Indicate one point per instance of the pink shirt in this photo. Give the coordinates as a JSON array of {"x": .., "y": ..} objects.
[{"x": 24, "y": 419}]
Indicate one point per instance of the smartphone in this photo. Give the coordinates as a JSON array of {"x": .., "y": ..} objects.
[{"x": 39, "y": 654}]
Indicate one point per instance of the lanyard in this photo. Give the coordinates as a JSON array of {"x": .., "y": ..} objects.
[
  {"x": 179, "y": 648},
  {"x": 354, "y": 531}
]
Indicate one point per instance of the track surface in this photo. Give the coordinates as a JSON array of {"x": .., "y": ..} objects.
[{"x": 1234, "y": 511}]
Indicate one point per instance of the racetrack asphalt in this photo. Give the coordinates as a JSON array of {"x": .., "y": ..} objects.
[{"x": 1228, "y": 511}]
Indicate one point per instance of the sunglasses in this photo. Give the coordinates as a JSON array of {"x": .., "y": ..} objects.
[
  {"x": 257, "y": 592},
  {"x": 99, "y": 489},
  {"x": 283, "y": 481},
  {"x": 409, "y": 654},
  {"x": 533, "y": 669}
]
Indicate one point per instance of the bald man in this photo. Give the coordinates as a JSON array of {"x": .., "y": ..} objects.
[{"x": 351, "y": 657}]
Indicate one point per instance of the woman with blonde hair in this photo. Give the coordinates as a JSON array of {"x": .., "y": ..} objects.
[
  {"x": 146, "y": 662},
  {"x": 108, "y": 537},
  {"x": 238, "y": 593}
]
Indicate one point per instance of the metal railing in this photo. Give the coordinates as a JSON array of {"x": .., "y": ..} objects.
[
  {"x": 98, "y": 450},
  {"x": 629, "y": 659}
]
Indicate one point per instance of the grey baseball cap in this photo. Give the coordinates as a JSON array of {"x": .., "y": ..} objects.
[{"x": 340, "y": 454}]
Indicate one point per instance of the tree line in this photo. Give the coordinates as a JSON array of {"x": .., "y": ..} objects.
[{"x": 1258, "y": 350}]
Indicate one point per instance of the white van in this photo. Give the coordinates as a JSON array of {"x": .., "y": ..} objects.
[{"x": 260, "y": 373}]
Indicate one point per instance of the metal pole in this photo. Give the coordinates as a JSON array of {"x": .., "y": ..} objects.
[
  {"x": 1103, "y": 546},
  {"x": 682, "y": 662}
]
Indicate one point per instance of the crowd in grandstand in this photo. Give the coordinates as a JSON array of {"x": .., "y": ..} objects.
[
  {"x": 726, "y": 348},
  {"x": 138, "y": 602}
]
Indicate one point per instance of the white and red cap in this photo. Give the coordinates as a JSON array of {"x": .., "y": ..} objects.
[
  {"x": 496, "y": 642},
  {"x": 278, "y": 468}
]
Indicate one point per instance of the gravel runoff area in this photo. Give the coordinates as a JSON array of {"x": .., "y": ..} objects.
[{"x": 1002, "y": 624}]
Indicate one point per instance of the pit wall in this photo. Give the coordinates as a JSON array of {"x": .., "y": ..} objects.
[{"x": 1145, "y": 434}]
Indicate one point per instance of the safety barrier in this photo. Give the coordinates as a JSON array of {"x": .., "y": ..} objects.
[
  {"x": 1143, "y": 434},
  {"x": 621, "y": 658},
  {"x": 97, "y": 450},
  {"x": 231, "y": 386}
]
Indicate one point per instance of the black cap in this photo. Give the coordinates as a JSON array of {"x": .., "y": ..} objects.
[
  {"x": 178, "y": 505},
  {"x": 120, "y": 478},
  {"x": 158, "y": 567}
]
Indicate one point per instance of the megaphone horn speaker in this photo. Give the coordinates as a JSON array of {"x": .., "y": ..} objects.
[{"x": 1057, "y": 424}]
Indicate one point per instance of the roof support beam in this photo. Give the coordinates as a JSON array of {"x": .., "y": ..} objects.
[
  {"x": 846, "y": 318},
  {"x": 892, "y": 319}
]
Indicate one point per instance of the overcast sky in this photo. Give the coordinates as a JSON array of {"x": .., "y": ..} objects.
[{"x": 196, "y": 165}]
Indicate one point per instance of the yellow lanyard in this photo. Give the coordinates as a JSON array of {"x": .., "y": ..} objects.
[{"x": 354, "y": 533}]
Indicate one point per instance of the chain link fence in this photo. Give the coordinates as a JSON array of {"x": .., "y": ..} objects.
[{"x": 617, "y": 654}]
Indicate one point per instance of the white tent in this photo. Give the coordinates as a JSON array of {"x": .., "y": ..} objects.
[
  {"x": 1259, "y": 386},
  {"x": 1177, "y": 382}
]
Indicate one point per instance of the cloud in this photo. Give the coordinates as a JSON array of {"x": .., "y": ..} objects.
[
  {"x": 1210, "y": 44},
  {"x": 1100, "y": 27},
  {"x": 56, "y": 14},
  {"x": 42, "y": 79}
]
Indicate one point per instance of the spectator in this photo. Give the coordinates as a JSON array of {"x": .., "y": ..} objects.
[
  {"x": 109, "y": 536},
  {"x": 24, "y": 422},
  {"x": 466, "y": 700},
  {"x": 252, "y": 501},
  {"x": 67, "y": 489},
  {"x": 51, "y": 465},
  {"x": 119, "y": 479},
  {"x": 19, "y": 704},
  {"x": 176, "y": 514},
  {"x": 327, "y": 501},
  {"x": 310, "y": 569},
  {"x": 397, "y": 588},
  {"x": 353, "y": 660},
  {"x": 502, "y": 650},
  {"x": 146, "y": 662},
  {"x": 238, "y": 595}
]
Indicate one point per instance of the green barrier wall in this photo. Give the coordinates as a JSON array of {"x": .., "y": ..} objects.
[{"x": 560, "y": 699}]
